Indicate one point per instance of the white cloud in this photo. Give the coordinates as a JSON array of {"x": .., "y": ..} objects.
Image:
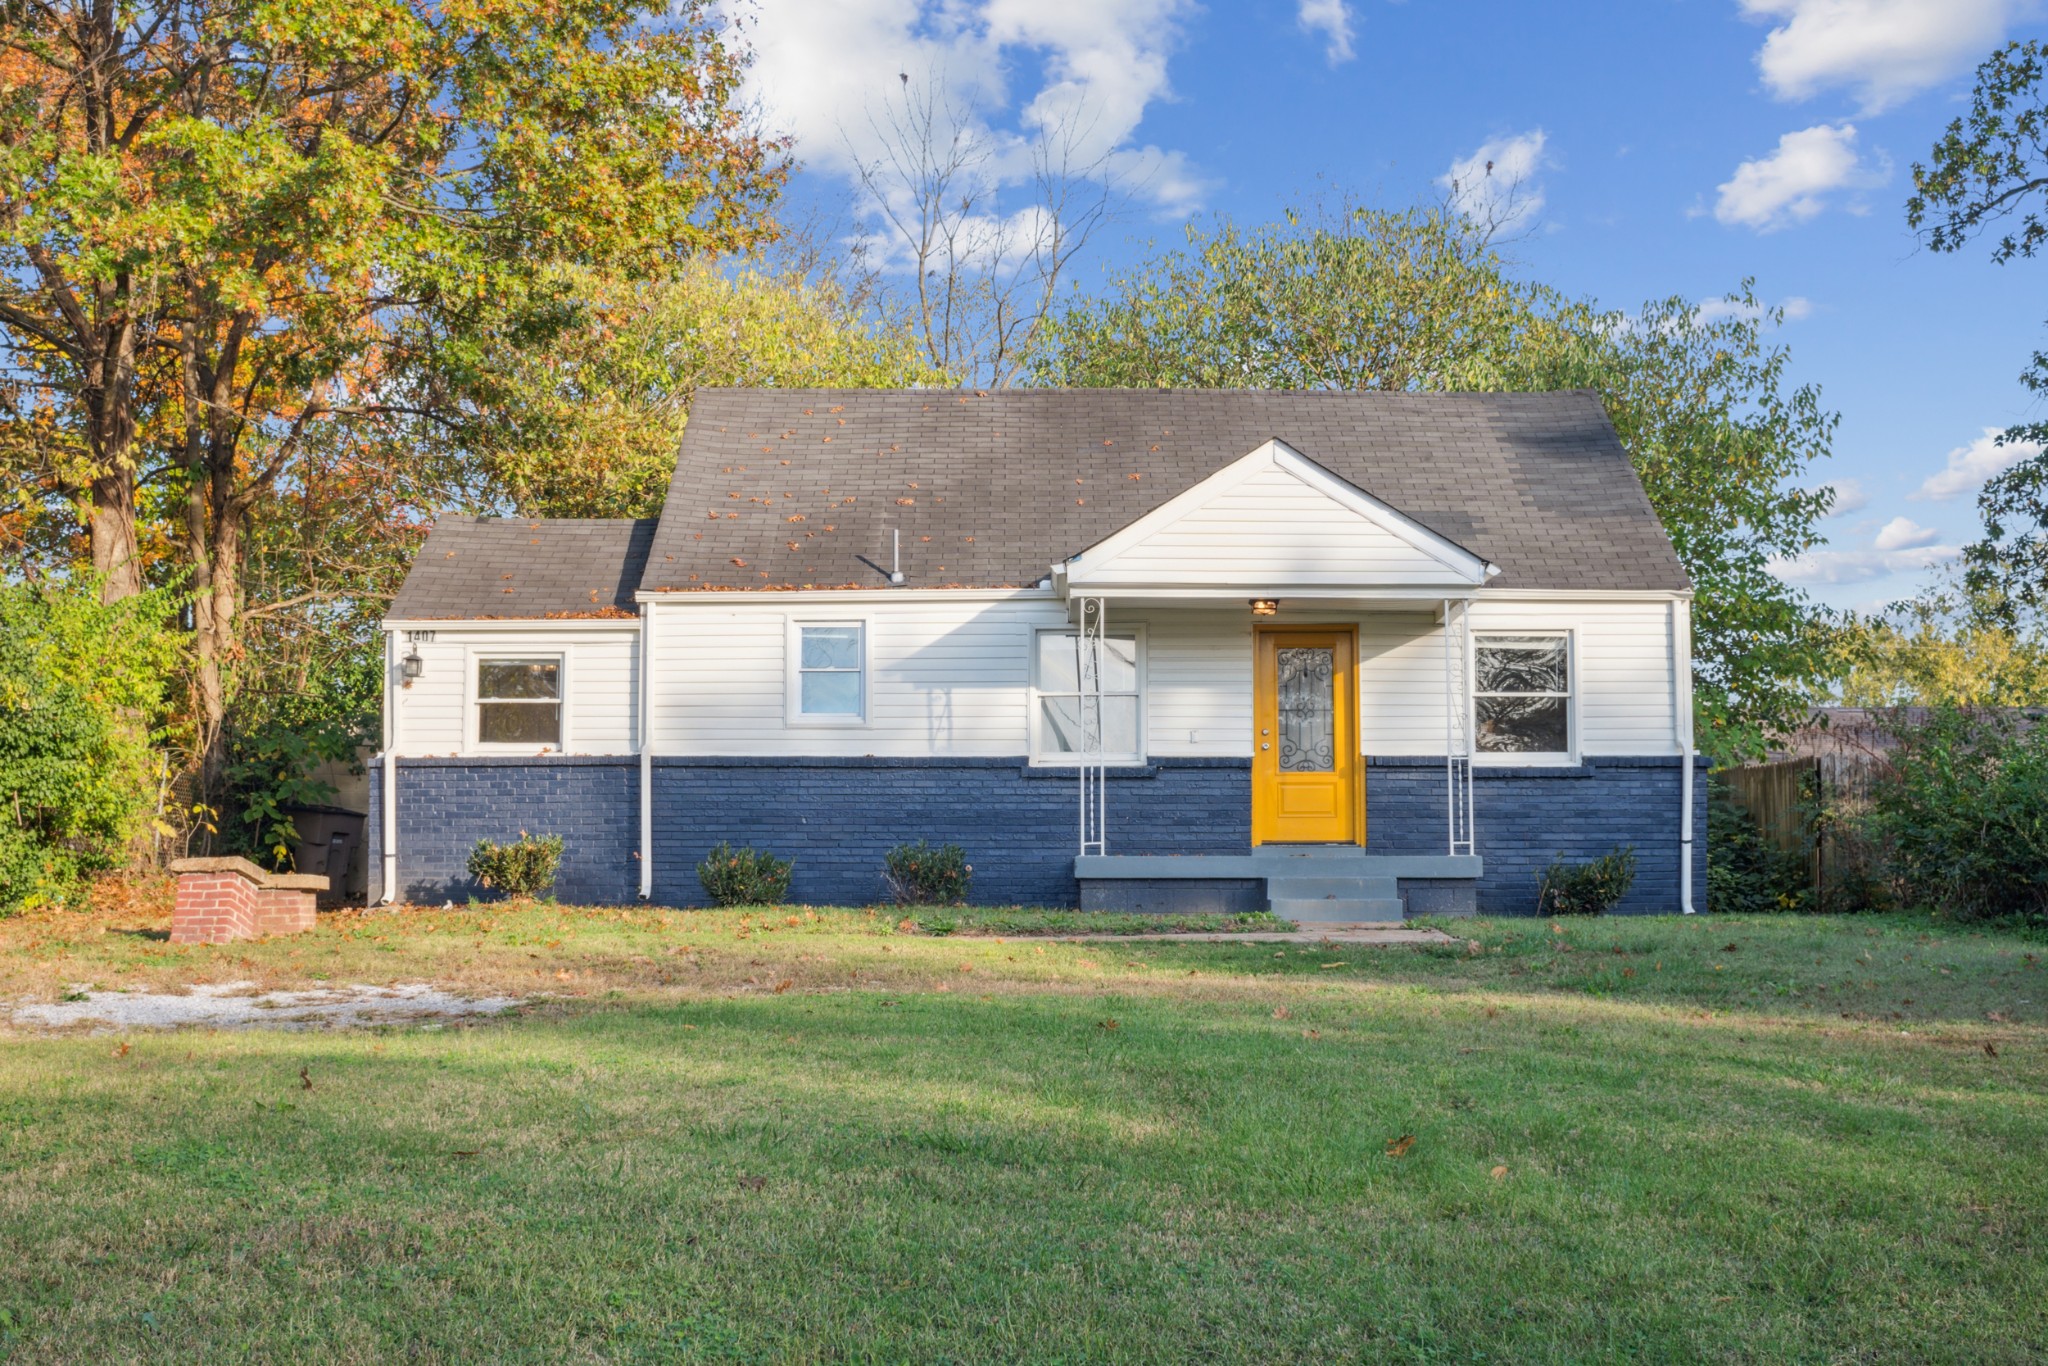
[
  {"x": 1860, "y": 566},
  {"x": 1793, "y": 183},
  {"x": 1882, "y": 50},
  {"x": 1497, "y": 184},
  {"x": 1850, "y": 496},
  {"x": 1969, "y": 466},
  {"x": 825, "y": 70},
  {"x": 1795, "y": 307},
  {"x": 1903, "y": 533},
  {"x": 1332, "y": 19}
]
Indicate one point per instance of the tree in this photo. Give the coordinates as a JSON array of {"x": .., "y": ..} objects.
[
  {"x": 226, "y": 223},
  {"x": 983, "y": 281},
  {"x": 1987, "y": 175},
  {"x": 587, "y": 424},
  {"x": 1420, "y": 300},
  {"x": 1946, "y": 648}
]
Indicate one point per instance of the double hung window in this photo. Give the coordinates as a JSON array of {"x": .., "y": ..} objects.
[
  {"x": 1060, "y": 707},
  {"x": 831, "y": 672},
  {"x": 519, "y": 701},
  {"x": 1522, "y": 694}
]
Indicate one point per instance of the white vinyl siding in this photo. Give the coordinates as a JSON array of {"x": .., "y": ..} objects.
[
  {"x": 600, "y": 679},
  {"x": 954, "y": 677},
  {"x": 1271, "y": 529}
]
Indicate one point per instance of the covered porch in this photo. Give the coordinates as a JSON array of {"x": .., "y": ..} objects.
[{"x": 1304, "y": 559}]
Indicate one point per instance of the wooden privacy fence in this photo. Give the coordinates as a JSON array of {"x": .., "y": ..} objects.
[{"x": 1787, "y": 798}]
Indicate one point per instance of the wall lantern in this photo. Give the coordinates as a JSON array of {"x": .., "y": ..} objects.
[
  {"x": 412, "y": 666},
  {"x": 1265, "y": 607}
]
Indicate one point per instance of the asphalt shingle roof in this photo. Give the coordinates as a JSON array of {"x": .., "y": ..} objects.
[
  {"x": 480, "y": 567},
  {"x": 779, "y": 488}
]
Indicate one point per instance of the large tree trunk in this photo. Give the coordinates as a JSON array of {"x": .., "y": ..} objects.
[{"x": 116, "y": 555}]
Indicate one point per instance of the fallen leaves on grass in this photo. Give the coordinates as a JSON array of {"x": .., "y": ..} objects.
[
  {"x": 784, "y": 985},
  {"x": 1499, "y": 1173},
  {"x": 1338, "y": 964},
  {"x": 305, "y": 1080},
  {"x": 1282, "y": 1013},
  {"x": 1398, "y": 1147},
  {"x": 1108, "y": 1024},
  {"x": 1990, "y": 1049},
  {"x": 753, "y": 1183},
  {"x": 121, "y": 1051}
]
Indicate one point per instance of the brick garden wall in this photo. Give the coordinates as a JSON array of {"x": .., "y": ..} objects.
[{"x": 838, "y": 817}]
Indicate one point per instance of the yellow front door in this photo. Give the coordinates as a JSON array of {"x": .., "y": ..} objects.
[{"x": 1305, "y": 767}]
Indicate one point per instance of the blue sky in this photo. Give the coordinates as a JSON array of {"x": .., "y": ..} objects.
[{"x": 1663, "y": 146}]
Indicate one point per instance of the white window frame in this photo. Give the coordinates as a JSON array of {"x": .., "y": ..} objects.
[
  {"x": 1546, "y": 758},
  {"x": 793, "y": 671},
  {"x": 1040, "y": 758},
  {"x": 472, "y": 702}
]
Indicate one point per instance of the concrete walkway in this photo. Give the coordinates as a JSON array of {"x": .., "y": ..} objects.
[{"x": 1371, "y": 933}]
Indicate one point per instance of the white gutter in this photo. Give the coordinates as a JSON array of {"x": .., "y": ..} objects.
[
  {"x": 646, "y": 751},
  {"x": 390, "y": 770},
  {"x": 1681, "y": 687}
]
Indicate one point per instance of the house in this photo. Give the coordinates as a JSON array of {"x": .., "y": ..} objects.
[{"x": 1352, "y": 654}]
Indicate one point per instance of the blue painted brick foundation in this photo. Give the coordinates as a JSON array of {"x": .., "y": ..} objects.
[
  {"x": 446, "y": 805},
  {"x": 838, "y": 817},
  {"x": 1524, "y": 817}
]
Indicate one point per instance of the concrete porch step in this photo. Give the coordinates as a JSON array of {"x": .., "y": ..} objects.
[
  {"x": 1342, "y": 888},
  {"x": 1327, "y": 910}
]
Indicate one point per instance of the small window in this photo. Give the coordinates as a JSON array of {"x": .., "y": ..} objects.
[
  {"x": 1522, "y": 694},
  {"x": 519, "y": 701},
  {"x": 1058, "y": 730},
  {"x": 830, "y": 663}
]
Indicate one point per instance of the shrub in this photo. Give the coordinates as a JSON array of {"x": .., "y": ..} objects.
[
  {"x": 919, "y": 875},
  {"x": 1589, "y": 888},
  {"x": 1961, "y": 824},
  {"x": 81, "y": 686},
  {"x": 526, "y": 867},
  {"x": 744, "y": 877}
]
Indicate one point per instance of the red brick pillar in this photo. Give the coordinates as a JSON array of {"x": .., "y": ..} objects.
[{"x": 221, "y": 900}]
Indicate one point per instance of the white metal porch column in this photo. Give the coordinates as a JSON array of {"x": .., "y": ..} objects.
[
  {"x": 1094, "y": 778},
  {"x": 1458, "y": 726}
]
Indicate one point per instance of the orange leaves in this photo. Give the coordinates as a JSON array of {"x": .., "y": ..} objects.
[{"x": 1398, "y": 1147}]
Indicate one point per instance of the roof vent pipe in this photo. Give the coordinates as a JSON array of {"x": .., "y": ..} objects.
[{"x": 896, "y": 557}]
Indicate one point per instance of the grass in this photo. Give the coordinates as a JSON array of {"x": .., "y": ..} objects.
[{"x": 815, "y": 1136}]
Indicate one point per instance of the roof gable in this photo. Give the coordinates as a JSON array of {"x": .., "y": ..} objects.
[{"x": 1274, "y": 519}]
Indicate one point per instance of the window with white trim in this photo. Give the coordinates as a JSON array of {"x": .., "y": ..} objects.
[
  {"x": 1521, "y": 693},
  {"x": 831, "y": 671},
  {"x": 1057, "y": 716},
  {"x": 519, "y": 701}
]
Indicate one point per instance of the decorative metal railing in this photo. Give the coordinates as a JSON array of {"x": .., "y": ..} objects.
[
  {"x": 1458, "y": 721},
  {"x": 1093, "y": 772}
]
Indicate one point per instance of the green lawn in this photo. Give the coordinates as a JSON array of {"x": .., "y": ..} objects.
[{"x": 817, "y": 1137}]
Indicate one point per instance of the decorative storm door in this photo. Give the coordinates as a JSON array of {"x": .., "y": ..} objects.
[{"x": 1305, "y": 766}]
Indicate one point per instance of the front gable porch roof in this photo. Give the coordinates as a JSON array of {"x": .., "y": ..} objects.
[{"x": 1277, "y": 523}]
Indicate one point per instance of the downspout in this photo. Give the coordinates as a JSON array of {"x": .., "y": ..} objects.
[
  {"x": 1681, "y": 689},
  {"x": 646, "y": 751},
  {"x": 390, "y": 770}
]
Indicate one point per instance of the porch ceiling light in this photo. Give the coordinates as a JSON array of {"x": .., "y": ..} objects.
[
  {"x": 412, "y": 666},
  {"x": 1265, "y": 607}
]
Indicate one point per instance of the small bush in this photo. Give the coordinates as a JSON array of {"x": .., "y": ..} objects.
[
  {"x": 919, "y": 875},
  {"x": 1589, "y": 888},
  {"x": 744, "y": 877},
  {"x": 526, "y": 867},
  {"x": 1961, "y": 825}
]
